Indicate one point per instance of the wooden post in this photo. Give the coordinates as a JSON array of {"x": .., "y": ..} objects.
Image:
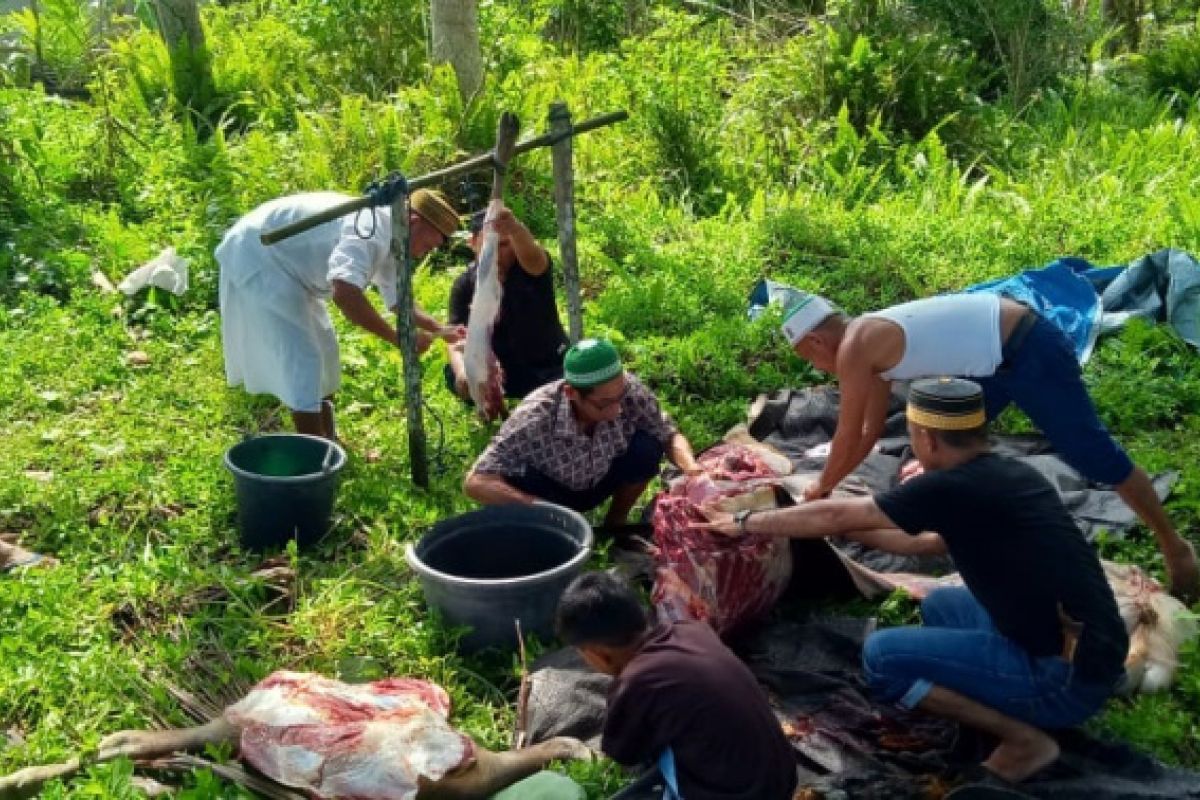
[
  {"x": 559, "y": 122},
  {"x": 406, "y": 326}
]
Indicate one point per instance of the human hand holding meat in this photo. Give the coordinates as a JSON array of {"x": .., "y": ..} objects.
[
  {"x": 911, "y": 470},
  {"x": 815, "y": 491},
  {"x": 504, "y": 222},
  {"x": 721, "y": 522},
  {"x": 452, "y": 334}
]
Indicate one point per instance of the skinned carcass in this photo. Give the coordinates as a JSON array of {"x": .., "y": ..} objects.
[
  {"x": 333, "y": 739},
  {"x": 485, "y": 382},
  {"x": 484, "y": 378},
  {"x": 727, "y": 582}
]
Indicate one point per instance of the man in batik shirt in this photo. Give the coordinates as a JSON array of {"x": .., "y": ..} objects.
[{"x": 598, "y": 433}]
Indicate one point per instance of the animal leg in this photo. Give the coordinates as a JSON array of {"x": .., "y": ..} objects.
[
  {"x": 28, "y": 782},
  {"x": 491, "y": 772},
  {"x": 155, "y": 744}
]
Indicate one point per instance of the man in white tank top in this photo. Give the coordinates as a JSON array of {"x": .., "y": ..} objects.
[{"x": 1014, "y": 354}]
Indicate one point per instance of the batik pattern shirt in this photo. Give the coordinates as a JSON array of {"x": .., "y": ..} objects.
[{"x": 543, "y": 434}]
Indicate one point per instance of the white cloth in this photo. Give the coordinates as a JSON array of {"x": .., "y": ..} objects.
[
  {"x": 165, "y": 271},
  {"x": 275, "y": 328},
  {"x": 957, "y": 335}
]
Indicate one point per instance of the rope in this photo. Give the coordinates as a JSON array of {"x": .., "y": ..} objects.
[
  {"x": 387, "y": 191},
  {"x": 441, "y": 454},
  {"x": 383, "y": 192},
  {"x": 358, "y": 230}
]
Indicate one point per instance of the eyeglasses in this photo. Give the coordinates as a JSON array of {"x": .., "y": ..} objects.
[{"x": 607, "y": 404}]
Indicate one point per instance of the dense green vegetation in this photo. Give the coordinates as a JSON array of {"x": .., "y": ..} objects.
[{"x": 876, "y": 150}]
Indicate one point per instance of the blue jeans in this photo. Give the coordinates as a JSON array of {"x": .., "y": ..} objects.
[
  {"x": 958, "y": 648},
  {"x": 638, "y": 464},
  {"x": 1043, "y": 379}
]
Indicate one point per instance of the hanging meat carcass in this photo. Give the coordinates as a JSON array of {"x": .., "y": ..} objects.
[
  {"x": 727, "y": 582},
  {"x": 484, "y": 378}
]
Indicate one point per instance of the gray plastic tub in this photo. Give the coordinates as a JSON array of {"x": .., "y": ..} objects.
[
  {"x": 286, "y": 484},
  {"x": 487, "y": 568}
]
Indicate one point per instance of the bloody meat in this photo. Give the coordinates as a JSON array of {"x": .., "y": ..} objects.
[
  {"x": 368, "y": 741},
  {"x": 724, "y": 581}
]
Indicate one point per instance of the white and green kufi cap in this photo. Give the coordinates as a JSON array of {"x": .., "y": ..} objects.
[
  {"x": 591, "y": 362},
  {"x": 805, "y": 313}
]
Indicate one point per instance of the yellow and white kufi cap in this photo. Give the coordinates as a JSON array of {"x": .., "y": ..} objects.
[{"x": 946, "y": 404}]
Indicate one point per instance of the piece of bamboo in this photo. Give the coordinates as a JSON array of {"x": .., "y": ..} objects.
[{"x": 564, "y": 202}]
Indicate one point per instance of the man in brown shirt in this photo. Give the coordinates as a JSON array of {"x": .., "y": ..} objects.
[
  {"x": 596, "y": 434},
  {"x": 679, "y": 697}
]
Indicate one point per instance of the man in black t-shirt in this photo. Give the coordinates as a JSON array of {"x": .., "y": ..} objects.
[
  {"x": 528, "y": 338},
  {"x": 679, "y": 697},
  {"x": 1034, "y": 640}
]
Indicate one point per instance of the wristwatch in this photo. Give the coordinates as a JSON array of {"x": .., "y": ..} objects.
[{"x": 740, "y": 518}]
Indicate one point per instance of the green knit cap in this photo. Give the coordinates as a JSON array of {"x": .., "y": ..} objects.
[{"x": 591, "y": 362}]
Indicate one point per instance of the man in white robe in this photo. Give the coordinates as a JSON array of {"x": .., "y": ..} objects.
[{"x": 275, "y": 327}]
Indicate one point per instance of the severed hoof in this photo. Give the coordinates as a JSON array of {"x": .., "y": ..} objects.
[
  {"x": 566, "y": 748},
  {"x": 1183, "y": 574},
  {"x": 131, "y": 744},
  {"x": 14, "y": 557}
]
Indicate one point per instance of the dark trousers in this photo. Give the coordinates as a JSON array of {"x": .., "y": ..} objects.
[{"x": 1043, "y": 379}]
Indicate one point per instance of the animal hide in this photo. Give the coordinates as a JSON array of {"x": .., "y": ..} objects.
[
  {"x": 779, "y": 463},
  {"x": 724, "y": 581},
  {"x": 484, "y": 378},
  {"x": 368, "y": 741},
  {"x": 1157, "y": 623}
]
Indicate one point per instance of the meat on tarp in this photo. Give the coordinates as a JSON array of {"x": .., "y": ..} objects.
[
  {"x": 727, "y": 582},
  {"x": 368, "y": 741}
]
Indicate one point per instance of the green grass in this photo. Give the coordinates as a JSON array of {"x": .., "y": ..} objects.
[{"x": 733, "y": 165}]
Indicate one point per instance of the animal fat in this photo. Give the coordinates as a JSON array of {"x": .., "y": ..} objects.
[{"x": 369, "y": 741}]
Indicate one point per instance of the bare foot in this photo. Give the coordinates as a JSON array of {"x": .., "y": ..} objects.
[
  {"x": 1182, "y": 572},
  {"x": 1018, "y": 758}
]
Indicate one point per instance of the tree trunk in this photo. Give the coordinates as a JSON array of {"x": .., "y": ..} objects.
[
  {"x": 191, "y": 63},
  {"x": 455, "y": 25}
]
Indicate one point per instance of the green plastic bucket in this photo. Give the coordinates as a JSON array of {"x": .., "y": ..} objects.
[{"x": 285, "y": 484}]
